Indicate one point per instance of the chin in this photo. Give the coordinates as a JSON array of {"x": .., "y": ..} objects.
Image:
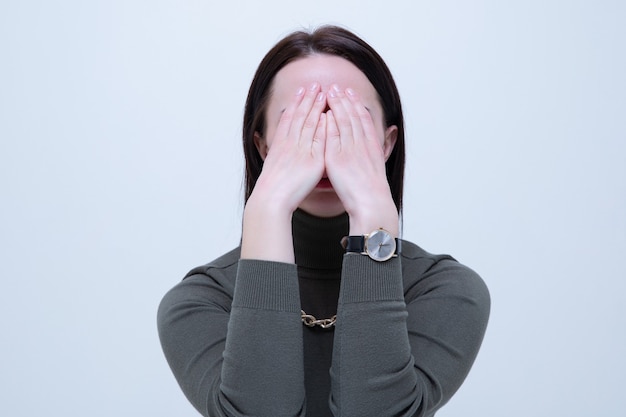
[{"x": 323, "y": 204}]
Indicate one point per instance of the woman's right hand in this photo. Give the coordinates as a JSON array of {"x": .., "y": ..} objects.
[
  {"x": 293, "y": 165},
  {"x": 294, "y": 156}
]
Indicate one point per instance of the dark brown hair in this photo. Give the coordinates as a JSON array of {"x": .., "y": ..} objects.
[{"x": 331, "y": 40}]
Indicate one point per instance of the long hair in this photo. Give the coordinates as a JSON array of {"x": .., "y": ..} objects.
[{"x": 331, "y": 40}]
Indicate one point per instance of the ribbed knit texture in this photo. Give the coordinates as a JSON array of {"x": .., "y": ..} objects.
[
  {"x": 267, "y": 286},
  {"x": 407, "y": 331},
  {"x": 369, "y": 280},
  {"x": 317, "y": 241}
]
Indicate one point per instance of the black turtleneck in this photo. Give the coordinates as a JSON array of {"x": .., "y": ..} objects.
[{"x": 319, "y": 257}]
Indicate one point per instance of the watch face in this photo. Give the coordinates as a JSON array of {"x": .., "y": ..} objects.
[{"x": 380, "y": 245}]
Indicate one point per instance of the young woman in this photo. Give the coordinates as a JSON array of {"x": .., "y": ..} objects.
[{"x": 322, "y": 310}]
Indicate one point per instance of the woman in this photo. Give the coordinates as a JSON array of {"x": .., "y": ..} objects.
[{"x": 322, "y": 310}]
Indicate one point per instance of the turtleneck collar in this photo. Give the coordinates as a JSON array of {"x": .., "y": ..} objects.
[{"x": 316, "y": 240}]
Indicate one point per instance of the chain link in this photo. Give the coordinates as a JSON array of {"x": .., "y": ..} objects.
[{"x": 311, "y": 321}]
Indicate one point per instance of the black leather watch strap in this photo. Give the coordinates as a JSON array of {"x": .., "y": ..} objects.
[
  {"x": 357, "y": 244},
  {"x": 354, "y": 243}
]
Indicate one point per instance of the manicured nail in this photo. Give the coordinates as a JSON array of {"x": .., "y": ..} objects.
[
  {"x": 300, "y": 91},
  {"x": 333, "y": 91}
]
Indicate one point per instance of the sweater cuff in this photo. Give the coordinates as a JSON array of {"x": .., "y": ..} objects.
[
  {"x": 364, "y": 279},
  {"x": 267, "y": 285}
]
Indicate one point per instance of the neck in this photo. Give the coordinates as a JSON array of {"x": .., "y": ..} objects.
[{"x": 316, "y": 240}]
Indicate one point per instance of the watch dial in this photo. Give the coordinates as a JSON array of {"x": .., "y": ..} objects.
[{"x": 380, "y": 245}]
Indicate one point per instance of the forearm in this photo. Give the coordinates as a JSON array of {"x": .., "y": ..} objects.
[
  {"x": 267, "y": 233},
  {"x": 392, "y": 359},
  {"x": 372, "y": 371},
  {"x": 262, "y": 373},
  {"x": 377, "y": 211},
  {"x": 233, "y": 355}
]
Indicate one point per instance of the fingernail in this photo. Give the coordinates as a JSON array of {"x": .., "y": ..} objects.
[
  {"x": 313, "y": 87},
  {"x": 332, "y": 92},
  {"x": 350, "y": 92},
  {"x": 300, "y": 91},
  {"x": 336, "y": 88},
  {"x": 320, "y": 96}
]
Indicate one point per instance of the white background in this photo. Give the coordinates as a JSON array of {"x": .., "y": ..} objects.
[{"x": 121, "y": 169}]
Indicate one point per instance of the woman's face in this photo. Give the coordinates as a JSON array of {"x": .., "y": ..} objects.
[{"x": 326, "y": 70}]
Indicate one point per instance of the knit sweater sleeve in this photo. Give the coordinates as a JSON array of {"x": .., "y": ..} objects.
[
  {"x": 404, "y": 346},
  {"x": 232, "y": 353}
]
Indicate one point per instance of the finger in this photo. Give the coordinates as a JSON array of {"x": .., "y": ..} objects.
[
  {"x": 320, "y": 131},
  {"x": 286, "y": 118},
  {"x": 333, "y": 137},
  {"x": 362, "y": 119},
  {"x": 301, "y": 114},
  {"x": 337, "y": 103},
  {"x": 311, "y": 123},
  {"x": 319, "y": 138}
]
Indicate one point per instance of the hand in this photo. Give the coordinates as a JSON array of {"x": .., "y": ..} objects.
[
  {"x": 294, "y": 158},
  {"x": 355, "y": 164},
  {"x": 294, "y": 164}
]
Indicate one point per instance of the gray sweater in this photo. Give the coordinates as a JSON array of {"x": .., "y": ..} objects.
[{"x": 407, "y": 332}]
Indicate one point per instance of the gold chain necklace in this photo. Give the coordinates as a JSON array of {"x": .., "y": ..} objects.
[{"x": 311, "y": 321}]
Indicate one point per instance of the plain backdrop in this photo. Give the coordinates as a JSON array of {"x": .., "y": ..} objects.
[{"x": 121, "y": 169}]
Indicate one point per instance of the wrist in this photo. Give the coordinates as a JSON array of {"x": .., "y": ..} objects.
[
  {"x": 271, "y": 195},
  {"x": 373, "y": 209},
  {"x": 365, "y": 221},
  {"x": 266, "y": 232},
  {"x": 379, "y": 245},
  {"x": 269, "y": 207}
]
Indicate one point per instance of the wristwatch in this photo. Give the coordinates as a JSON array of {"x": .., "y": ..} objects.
[{"x": 378, "y": 245}]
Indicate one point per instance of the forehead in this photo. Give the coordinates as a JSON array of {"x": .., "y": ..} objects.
[{"x": 326, "y": 70}]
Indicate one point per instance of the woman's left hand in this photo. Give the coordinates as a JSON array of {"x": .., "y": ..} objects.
[{"x": 355, "y": 163}]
